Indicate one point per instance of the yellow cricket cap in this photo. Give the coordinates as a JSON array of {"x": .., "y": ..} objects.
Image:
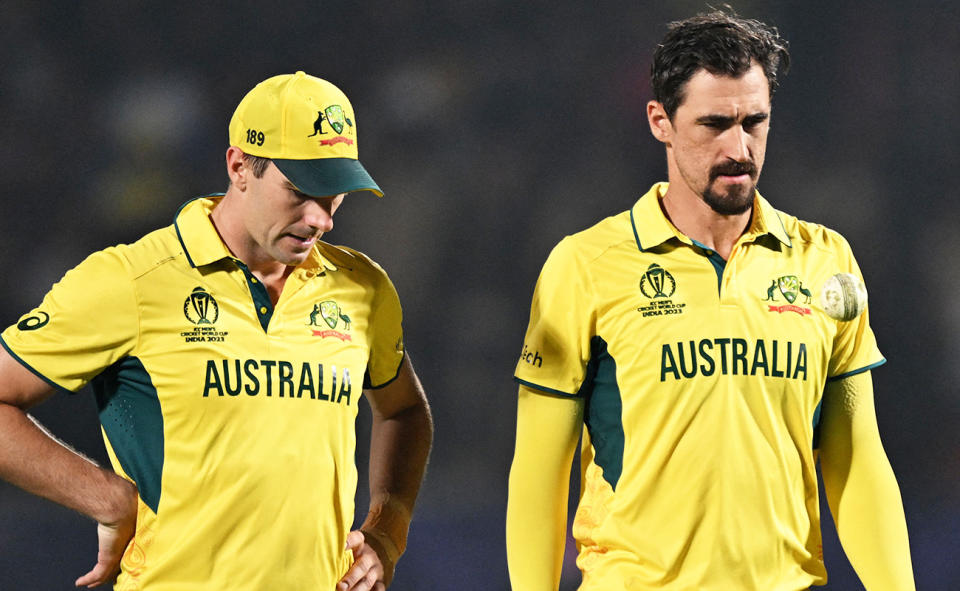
[{"x": 307, "y": 127}]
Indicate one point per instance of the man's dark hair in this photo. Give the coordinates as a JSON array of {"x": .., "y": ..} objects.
[
  {"x": 719, "y": 42},
  {"x": 256, "y": 164}
]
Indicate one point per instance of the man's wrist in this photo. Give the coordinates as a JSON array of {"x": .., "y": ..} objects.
[
  {"x": 388, "y": 522},
  {"x": 119, "y": 502}
]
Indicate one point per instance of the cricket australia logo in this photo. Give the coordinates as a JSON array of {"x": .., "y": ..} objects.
[
  {"x": 791, "y": 288},
  {"x": 332, "y": 316},
  {"x": 200, "y": 307},
  {"x": 202, "y": 310},
  {"x": 337, "y": 118},
  {"x": 658, "y": 285}
]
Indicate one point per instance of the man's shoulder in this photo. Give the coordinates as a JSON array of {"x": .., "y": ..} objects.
[
  {"x": 150, "y": 251},
  {"x": 598, "y": 239},
  {"x": 811, "y": 234},
  {"x": 350, "y": 259},
  {"x": 130, "y": 260}
]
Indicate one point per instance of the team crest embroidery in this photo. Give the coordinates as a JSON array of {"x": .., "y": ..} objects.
[
  {"x": 202, "y": 310},
  {"x": 791, "y": 288},
  {"x": 658, "y": 285},
  {"x": 332, "y": 316},
  {"x": 338, "y": 121}
]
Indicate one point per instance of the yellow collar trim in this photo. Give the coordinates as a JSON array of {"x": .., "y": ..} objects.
[{"x": 652, "y": 228}]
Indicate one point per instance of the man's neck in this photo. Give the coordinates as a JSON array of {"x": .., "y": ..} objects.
[
  {"x": 698, "y": 221},
  {"x": 271, "y": 272}
]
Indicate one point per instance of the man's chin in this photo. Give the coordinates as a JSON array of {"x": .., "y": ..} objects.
[
  {"x": 733, "y": 202},
  {"x": 291, "y": 259}
]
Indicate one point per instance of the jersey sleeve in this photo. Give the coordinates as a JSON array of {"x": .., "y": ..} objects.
[
  {"x": 86, "y": 322},
  {"x": 386, "y": 334},
  {"x": 854, "y": 345},
  {"x": 556, "y": 348}
]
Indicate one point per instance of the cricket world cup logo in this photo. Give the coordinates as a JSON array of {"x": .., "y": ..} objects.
[
  {"x": 657, "y": 282},
  {"x": 200, "y": 307}
]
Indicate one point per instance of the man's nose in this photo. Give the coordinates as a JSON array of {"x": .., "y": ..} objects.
[
  {"x": 318, "y": 214},
  {"x": 738, "y": 144}
]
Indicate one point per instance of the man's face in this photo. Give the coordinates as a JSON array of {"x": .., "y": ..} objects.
[
  {"x": 718, "y": 138},
  {"x": 283, "y": 223}
]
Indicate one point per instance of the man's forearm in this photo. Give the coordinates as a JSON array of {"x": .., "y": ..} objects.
[
  {"x": 35, "y": 461},
  {"x": 861, "y": 489},
  {"x": 399, "y": 448},
  {"x": 548, "y": 428}
]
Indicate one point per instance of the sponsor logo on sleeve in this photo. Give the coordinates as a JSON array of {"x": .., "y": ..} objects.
[
  {"x": 531, "y": 357},
  {"x": 38, "y": 320}
]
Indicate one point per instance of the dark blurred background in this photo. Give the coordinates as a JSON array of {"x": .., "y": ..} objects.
[{"x": 495, "y": 128}]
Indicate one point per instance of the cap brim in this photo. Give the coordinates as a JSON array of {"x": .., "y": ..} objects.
[{"x": 328, "y": 176}]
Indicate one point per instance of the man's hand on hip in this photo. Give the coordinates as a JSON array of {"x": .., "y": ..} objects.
[
  {"x": 114, "y": 536},
  {"x": 366, "y": 572}
]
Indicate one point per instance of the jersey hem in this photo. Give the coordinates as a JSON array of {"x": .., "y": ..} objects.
[
  {"x": 544, "y": 388},
  {"x": 857, "y": 371},
  {"x": 31, "y": 368}
]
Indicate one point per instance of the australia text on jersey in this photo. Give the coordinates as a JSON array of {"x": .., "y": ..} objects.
[
  {"x": 272, "y": 378},
  {"x": 736, "y": 356}
]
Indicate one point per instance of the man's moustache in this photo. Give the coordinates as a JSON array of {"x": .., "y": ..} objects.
[{"x": 734, "y": 169}]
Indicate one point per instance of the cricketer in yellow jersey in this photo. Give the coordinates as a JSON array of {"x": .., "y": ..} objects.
[
  {"x": 228, "y": 353},
  {"x": 684, "y": 340}
]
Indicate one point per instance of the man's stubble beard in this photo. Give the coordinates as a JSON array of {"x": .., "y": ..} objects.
[{"x": 735, "y": 202}]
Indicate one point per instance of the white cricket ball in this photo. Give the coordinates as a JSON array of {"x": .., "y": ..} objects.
[{"x": 843, "y": 297}]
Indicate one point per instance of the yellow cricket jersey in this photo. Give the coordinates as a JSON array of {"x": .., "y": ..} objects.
[
  {"x": 235, "y": 418},
  {"x": 702, "y": 381}
]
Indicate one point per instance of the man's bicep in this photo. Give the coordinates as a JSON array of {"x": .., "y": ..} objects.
[
  {"x": 848, "y": 412},
  {"x": 548, "y": 428},
  {"x": 402, "y": 393},
  {"x": 19, "y": 386},
  {"x": 556, "y": 418},
  {"x": 848, "y": 431},
  {"x": 560, "y": 334}
]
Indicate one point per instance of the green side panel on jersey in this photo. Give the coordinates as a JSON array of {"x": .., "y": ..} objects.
[
  {"x": 603, "y": 411},
  {"x": 131, "y": 417}
]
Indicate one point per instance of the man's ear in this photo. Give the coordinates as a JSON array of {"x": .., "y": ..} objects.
[
  {"x": 236, "y": 168},
  {"x": 660, "y": 125}
]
